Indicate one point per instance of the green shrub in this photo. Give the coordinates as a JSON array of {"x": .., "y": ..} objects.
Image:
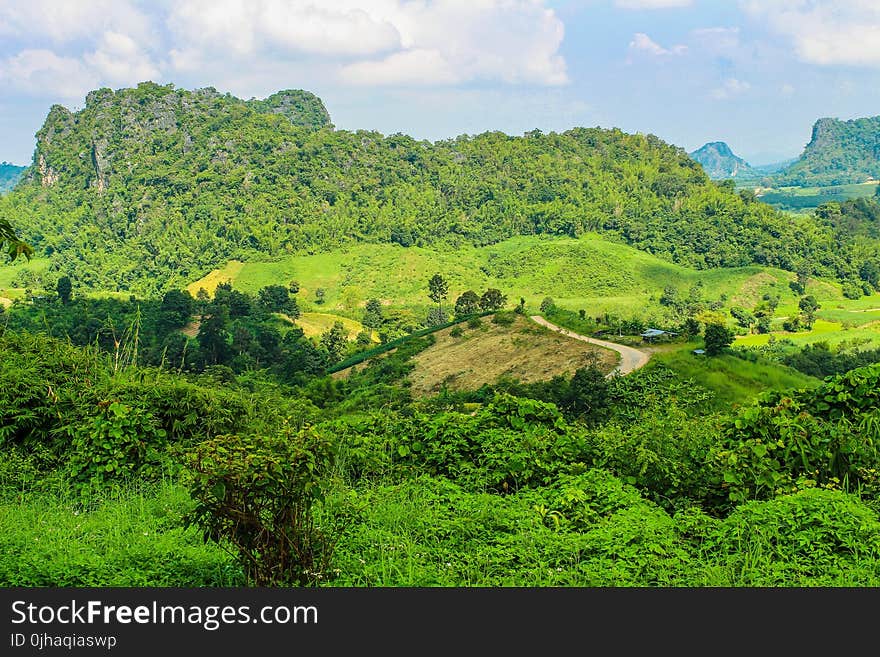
[
  {"x": 457, "y": 332},
  {"x": 826, "y": 436},
  {"x": 504, "y": 318},
  {"x": 118, "y": 442},
  {"x": 813, "y": 537},
  {"x": 474, "y": 323},
  {"x": 258, "y": 493},
  {"x": 673, "y": 472}
]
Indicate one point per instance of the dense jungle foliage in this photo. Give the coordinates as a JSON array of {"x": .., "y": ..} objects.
[
  {"x": 147, "y": 189},
  {"x": 115, "y": 476}
]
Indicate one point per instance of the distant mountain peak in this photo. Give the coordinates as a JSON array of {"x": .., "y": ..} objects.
[
  {"x": 9, "y": 175},
  {"x": 839, "y": 153},
  {"x": 720, "y": 162}
]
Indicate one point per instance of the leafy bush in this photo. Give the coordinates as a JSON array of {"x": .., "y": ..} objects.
[
  {"x": 504, "y": 318},
  {"x": 118, "y": 442},
  {"x": 257, "y": 494},
  {"x": 811, "y": 538},
  {"x": 674, "y": 473},
  {"x": 827, "y": 436}
]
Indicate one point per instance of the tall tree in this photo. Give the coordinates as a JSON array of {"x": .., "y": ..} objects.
[
  {"x": 274, "y": 298},
  {"x": 373, "y": 314},
  {"x": 335, "y": 341},
  {"x": 717, "y": 338},
  {"x": 808, "y": 306},
  {"x": 214, "y": 336},
  {"x": 438, "y": 289},
  {"x": 64, "y": 288}
]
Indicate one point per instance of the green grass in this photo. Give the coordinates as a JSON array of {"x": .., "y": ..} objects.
[
  {"x": 132, "y": 537},
  {"x": 733, "y": 380},
  {"x": 832, "y": 333},
  {"x": 808, "y": 198},
  {"x": 590, "y": 273},
  {"x": 314, "y": 324},
  {"x": 9, "y": 273}
]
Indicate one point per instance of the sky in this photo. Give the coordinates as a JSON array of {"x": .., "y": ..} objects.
[{"x": 754, "y": 73}]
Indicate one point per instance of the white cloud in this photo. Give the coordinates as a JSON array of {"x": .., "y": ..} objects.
[
  {"x": 651, "y": 4},
  {"x": 644, "y": 43},
  {"x": 381, "y": 42},
  {"x": 42, "y": 73},
  {"x": 249, "y": 26},
  {"x": 120, "y": 60},
  {"x": 786, "y": 89},
  {"x": 231, "y": 43},
  {"x": 730, "y": 88},
  {"x": 402, "y": 68},
  {"x": 76, "y": 45},
  {"x": 67, "y": 20},
  {"x": 824, "y": 32}
]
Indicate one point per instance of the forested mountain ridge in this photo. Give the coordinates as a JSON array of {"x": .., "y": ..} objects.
[
  {"x": 839, "y": 153},
  {"x": 9, "y": 175},
  {"x": 719, "y": 162},
  {"x": 145, "y": 189}
]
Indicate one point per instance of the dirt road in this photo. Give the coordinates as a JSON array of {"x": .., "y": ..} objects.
[{"x": 630, "y": 359}]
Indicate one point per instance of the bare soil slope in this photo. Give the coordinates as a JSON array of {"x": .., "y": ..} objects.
[{"x": 523, "y": 350}]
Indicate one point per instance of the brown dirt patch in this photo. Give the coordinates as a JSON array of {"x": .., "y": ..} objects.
[{"x": 523, "y": 351}]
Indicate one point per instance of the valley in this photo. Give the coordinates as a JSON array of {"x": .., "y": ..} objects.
[{"x": 252, "y": 349}]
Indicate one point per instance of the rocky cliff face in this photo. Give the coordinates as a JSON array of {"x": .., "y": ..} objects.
[
  {"x": 108, "y": 137},
  {"x": 839, "y": 152}
]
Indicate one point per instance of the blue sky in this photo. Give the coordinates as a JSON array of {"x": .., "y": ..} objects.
[{"x": 754, "y": 73}]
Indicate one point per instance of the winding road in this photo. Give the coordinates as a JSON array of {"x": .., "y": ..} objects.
[{"x": 630, "y": 359}]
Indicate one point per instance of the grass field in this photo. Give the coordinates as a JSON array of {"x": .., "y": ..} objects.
[
  {"x": 523, "y": 350},
  {"x": 130, "y": 537},
  {"x": 9, "y": 274},
  {"x": 733, "y": 380},
  {"x": 314, "y": 324},
  {"x": 830, "y": 332},
  {"x": 808, "y": 198},
  {"x": 210, "y": 282},
  {"x": 590, "y": 273}
]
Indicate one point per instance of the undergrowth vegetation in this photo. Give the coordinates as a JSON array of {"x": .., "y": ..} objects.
[{"x": 137, "y": 476}]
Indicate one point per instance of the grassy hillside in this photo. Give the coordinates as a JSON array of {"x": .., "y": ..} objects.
[
  {"x": 470, "y": 357},
  {"x": 733, "y": 380},
  {"x": 15, "y": 278},
  {"x": 178, "y": 182},
  {"x": 314, "y": 324},
  {"x": 590, "y": 273},
  {"x": 809, "y": 198}
]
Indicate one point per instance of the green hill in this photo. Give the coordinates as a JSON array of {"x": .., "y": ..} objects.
[
  {"x": 589, "y": 272},
  {"x": 9, "y": 175},
  {"x": 839, "y": 153},
  {"x": 146, "y": 189}
]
